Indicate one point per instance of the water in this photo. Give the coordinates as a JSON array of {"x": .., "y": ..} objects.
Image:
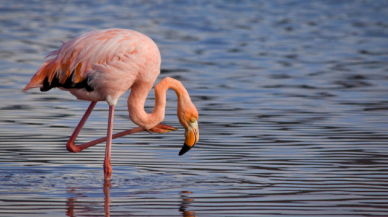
[{"x": 292, "y": 97}]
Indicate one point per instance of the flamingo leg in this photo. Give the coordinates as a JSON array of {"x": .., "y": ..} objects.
[
  {"x": 71, "y": 147},
  {"x": 107, "y": 166}
]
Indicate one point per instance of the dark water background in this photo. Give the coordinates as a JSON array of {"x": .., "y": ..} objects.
[{"x": 292, "y": 97}]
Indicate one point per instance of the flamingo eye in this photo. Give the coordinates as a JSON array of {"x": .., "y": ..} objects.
[{"x": 192, "y": 120}]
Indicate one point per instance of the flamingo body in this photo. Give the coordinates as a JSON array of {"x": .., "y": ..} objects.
[{"x": 101, "y": 66}]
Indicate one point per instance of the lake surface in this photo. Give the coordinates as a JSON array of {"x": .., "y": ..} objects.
[{"x": 292, "y": 97}]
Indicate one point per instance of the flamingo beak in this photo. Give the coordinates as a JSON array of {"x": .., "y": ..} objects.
[{"x": 192, "y": 137}]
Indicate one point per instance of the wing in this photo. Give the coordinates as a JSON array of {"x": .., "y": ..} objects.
[{"x": 71, "y": 63}]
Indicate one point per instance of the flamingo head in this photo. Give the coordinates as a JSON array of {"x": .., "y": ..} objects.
[{"x": 188, "y": 118}]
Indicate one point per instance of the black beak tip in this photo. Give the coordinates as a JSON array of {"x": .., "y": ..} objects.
[{"x": 184, "y": 149}]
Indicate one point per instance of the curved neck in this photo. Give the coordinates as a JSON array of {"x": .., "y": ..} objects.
[{"x": 138, "y": 97}]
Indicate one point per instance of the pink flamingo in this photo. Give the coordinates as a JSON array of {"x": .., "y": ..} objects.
[{"x": 101, "y": 66}]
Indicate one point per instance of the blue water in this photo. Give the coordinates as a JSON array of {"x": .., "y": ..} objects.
[{"x": 292, "y": 97}]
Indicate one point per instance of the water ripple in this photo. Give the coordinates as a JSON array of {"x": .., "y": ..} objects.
[{"x": 292, "y": 98}]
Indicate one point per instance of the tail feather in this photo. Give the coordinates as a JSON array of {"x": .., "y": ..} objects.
[
  {"x": 38, "y": 78},
  {"x": 47, "y": 77},
  {"x": 56, "y": 73}
]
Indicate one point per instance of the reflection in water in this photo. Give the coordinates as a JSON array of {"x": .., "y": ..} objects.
[
  {"x": 107, "y": 185},
  {"x": 74, "y": 207},
  {"x": 71, "y": 203},
  {"x": 82, "y": 207},
  {"x": 186, "y": 200}
]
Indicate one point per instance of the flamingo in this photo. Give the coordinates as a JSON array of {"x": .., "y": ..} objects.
[{"x": 101, "y": 66}]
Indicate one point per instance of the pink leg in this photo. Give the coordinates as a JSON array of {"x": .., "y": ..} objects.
[
  {"x": 70, "y": 144},
  {"x": 71, "y": 147},
  {"x": 107, "y": 166}
]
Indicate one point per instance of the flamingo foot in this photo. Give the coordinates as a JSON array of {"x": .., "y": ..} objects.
[{"x": 162, "y": 128}]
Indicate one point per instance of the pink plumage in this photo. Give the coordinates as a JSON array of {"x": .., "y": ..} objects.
[{"x": 111, "y": 60}]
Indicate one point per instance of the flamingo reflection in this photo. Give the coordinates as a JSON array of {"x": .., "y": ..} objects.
[
  {"x": 107, "y": 185},
  {"x": 186, "y": 201},
  {"x": 82, "y": 208}
]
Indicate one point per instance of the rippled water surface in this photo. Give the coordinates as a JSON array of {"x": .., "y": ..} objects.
[{"x": 292, "y": 96}]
